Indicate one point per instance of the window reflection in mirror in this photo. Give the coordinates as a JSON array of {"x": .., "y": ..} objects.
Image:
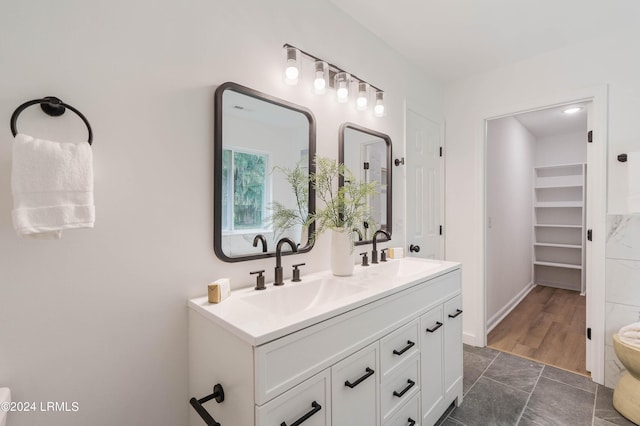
[
  {"x": 257, "y": 138},
  {"x": 367, "y": 154}
]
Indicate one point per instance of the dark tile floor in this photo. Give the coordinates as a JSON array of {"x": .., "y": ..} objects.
[{"x": 503, "y": 389}]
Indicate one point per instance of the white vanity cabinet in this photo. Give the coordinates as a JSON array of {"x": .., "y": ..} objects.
[{"x": 372, "y": 364}]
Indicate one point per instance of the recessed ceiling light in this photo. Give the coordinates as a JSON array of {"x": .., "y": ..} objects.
[{"x": 571, "y": 110}]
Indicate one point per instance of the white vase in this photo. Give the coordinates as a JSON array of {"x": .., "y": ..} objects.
[{"x": 341, "y": 253}]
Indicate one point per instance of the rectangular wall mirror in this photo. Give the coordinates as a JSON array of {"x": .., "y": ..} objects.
[
  {"x": 367, "y": 154},
  {"x": 259, "y": 139}
]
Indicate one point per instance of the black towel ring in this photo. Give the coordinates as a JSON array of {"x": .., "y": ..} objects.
[{"x": 51, "y": 106}]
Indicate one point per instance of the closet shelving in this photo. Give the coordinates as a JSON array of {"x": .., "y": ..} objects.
[{"x": 559, "y": 220}]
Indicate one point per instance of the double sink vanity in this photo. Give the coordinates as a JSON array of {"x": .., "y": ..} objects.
[{"x": 380, "y": 347}]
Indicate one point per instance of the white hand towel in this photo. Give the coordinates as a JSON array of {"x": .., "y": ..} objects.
[
  {"x": 630, "y": 334},
  {"x": 52, "y": 186},
  {"x": 633, "y": 179}
]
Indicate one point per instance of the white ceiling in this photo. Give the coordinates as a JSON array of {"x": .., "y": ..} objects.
[
  {"x": 552, "y": 121},
  {"x": 452, "y": 39}
]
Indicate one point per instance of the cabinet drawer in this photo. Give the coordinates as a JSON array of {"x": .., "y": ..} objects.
[
  {"x": 399, "y": 387},
  {"x": 409, "y": 415},
  {"x": 354, "y": 389},
  {"x": 310, "y": 398},
  {"x": 398, "y": 346},
  {"x": 281, "y": 364}
]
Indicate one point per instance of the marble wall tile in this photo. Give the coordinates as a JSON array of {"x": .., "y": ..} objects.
[
  {"x": 613, "y": 368},
  {"x": 623, "y": 237},
  {"x": 618, "y": 315},
  {"x": 623, "y": 281}
]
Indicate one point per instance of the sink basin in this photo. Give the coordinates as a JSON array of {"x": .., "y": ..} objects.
[
  {"x": 297, "y": 297},
  {"x": 401, "y": 268}
]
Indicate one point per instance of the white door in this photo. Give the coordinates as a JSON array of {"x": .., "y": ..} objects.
[{"x": 425, "y": 186}]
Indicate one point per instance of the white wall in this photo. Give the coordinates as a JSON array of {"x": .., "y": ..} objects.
[
  {"x": 99, "y": 317},
  {"x": 557, "y": 75},
  {"x": 565, "y": 148},
  {"x": 510, "y": 159}
]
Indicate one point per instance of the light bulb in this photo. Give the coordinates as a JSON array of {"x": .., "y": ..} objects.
[
  {"x": 378, "y": 109},
  {"x": 361, "y": 101},
  {"x": 342, "y": 86},
  {"x": 292, "y": 65},
  {"x": 322, "y": 77},
  {"x": 292, "y": 72}
]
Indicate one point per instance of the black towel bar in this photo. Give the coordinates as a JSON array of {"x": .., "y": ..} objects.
[
  {"x": 622, "y": 158},
  {"x": 218, "y": 395},
  {"x": 51, "y": 106}
]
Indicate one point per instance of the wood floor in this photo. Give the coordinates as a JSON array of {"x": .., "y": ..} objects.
[{"x": 547, "y": 326}]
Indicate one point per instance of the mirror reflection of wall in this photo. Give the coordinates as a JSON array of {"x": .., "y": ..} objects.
[
  {"x": 257, "y": 136},
  {"x": 367, "y": 154}
]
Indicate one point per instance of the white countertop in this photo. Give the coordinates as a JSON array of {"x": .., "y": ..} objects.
[{"x": 259, "y": 317}]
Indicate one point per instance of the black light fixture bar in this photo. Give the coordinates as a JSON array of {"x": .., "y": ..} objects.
[{"x": 332, "y": 67}]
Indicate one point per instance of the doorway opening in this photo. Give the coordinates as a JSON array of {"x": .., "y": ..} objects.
[{"x": 536, "y": 235}]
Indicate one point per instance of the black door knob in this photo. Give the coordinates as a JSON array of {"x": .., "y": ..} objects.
[{"x": 414, "y": 248}]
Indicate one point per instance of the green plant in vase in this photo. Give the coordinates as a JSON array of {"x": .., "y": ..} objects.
[{"x": 345, "y": 209}]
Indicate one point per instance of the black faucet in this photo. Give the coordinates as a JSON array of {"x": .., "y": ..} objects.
[
  {"x": 374, "y": 252},
  {"x": 278, "y": 280},
  {"x": 261, "y": 238}
]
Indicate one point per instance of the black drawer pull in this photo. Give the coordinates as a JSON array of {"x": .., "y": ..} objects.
[
  {"x": 369, "y": 373},
  {"x": 458, "y": 312},
  {"x": 399, "y": 394},
  {"x": 410, "y": 344},
  {"x": 316, "y": 407},
  {"x": 411, "y": 421},
  {"x": 435, "y": 327}
]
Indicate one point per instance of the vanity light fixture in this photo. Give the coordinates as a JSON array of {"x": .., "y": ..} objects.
[
  {"x": 343, "y": 80},
  {"x": 363, "y": 96},
  {"x": 321, "y": 80},
  {"x": 292, "y": 65},
  {"x": 572, "y": 110},
  {"x": 328, "y": 76},
  {"x": 378, "y": 109}
]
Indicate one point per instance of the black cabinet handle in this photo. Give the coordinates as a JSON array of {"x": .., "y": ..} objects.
[
  {"x": 435, "y": 327},
  {"x": 411, "y": 421},
  {"x": 458, "y": 312},
  {"x": 369, "y": 373},
  {"x": 410, "y": 344},
  {"x": 315, "y": 408},
  {"x": 399, "y": 394}
]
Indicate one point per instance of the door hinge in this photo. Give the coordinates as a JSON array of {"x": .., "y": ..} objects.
[
  {"x": 590, "y": 136},
  {"x": 366, "y": 165},
  {"x": 589, "y": 333},
  {"x": 440, "y": 151},
  {"x": 440, "y": 229},
  {"x": 589, "y": 235}
]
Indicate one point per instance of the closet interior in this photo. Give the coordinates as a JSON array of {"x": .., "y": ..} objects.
[{"x": 536, "y": 234}]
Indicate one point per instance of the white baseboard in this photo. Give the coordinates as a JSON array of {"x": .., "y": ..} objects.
[
  {"x": 506, "y": 309},
  {"x": 471, "y": 339}
]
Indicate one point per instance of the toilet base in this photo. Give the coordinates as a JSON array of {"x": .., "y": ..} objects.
[{"x": 626, "y": 397}]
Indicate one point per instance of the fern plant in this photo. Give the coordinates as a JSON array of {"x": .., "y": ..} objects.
[
  {"x": 345, "y": 207},
  {"x": 283, "y": 217}
]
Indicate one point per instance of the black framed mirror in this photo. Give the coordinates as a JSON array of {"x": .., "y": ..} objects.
[
  {"x": 367, "y": 154},
  {"x": 259, "y": 142}
]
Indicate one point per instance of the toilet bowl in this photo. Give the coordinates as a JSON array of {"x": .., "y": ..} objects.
[
  {"x": 5, "y": 397},
  {"x": 626, "y": 396}
]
